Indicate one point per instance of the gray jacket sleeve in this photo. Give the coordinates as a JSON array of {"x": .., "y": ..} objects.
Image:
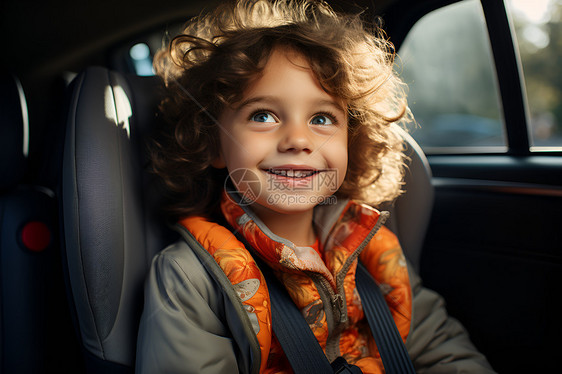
[
  {"x": 179, "y": 330},
  {"x": 438, "y": 343}
]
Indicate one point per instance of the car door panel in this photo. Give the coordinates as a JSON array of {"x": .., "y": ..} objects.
[{"x": 493, "y": 251}]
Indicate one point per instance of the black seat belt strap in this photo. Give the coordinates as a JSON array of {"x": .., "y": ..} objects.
[
  {"x": 291, "y": 329},
  {"x": 301, "y": 346},
  {"x": 295, "y": 336},
  {"x": 393, "y": 352}
]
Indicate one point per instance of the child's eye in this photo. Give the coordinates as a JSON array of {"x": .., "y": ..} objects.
[
  {"x": 265, "y": 117},
  {"x": 322, "y": 119}
]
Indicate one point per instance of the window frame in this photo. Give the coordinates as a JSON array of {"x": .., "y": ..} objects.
[
  {"x": 507, "y": 66},
  {"x": 509, "y": 76}
]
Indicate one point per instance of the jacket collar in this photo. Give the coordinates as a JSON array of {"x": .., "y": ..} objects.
[{"x": 344, "y": 227}]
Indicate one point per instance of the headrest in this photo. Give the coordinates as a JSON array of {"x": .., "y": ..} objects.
[
  {"x": 14, "y": 131},
  {"x": 411, "y": 212}
]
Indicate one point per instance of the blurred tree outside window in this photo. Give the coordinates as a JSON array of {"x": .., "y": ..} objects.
[
  {"x": 447, "y": 63},
  {"x": 538, "y": 31}
]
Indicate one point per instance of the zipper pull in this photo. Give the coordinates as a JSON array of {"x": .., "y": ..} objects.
[{"x": 338, "y": 305}]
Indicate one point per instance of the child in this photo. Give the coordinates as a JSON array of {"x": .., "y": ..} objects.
[{"x": 281, "y": 121}]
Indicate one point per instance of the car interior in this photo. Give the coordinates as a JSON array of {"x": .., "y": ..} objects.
[{"x": 79, "y": 207}]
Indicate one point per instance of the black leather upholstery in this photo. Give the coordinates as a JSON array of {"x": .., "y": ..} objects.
[
  {"x": 27, "y": 245},
  {"x": 411, "y": 212},
  {"x": 14, "y": 132},
  {"x": 111, "y": 227}
]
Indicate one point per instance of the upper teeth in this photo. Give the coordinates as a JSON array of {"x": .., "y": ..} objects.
[{"x": 292, "y": 173}]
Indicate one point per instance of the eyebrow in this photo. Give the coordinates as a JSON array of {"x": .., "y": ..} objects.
[{"x": 273, "y": 99}]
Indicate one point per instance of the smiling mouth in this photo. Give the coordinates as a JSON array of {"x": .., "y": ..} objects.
[{"x": 293, "y": 173}]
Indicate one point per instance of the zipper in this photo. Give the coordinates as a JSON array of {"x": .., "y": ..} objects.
[
  {"x": 343, "y": 271},
  {"x": 337, "y": 301},
  {"x": 335, "y": 309}
]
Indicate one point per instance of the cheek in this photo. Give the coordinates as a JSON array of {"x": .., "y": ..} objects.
[
  {"x": 339, "y": 159},
  {"x": 232, "y": 150},
  {"x": 241, "y": 152},
  {"x": 342, "y": 167}
]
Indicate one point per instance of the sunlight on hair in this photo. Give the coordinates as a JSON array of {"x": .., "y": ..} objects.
[{"x": 217, "y": 56}]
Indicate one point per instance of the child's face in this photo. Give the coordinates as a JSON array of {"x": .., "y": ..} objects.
[{"x": 285, "y": 143}]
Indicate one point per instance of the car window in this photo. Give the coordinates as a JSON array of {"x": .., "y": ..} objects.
[
  {"x": 141, "y": 59},
  {"x": 135, "y": 56},
  {"x": 538, "y": 32},
  {"x": 447, "y": 63}
]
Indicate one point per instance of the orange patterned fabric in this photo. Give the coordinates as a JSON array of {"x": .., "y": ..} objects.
[
  {"x": 243, "y": 273},
  {"x": 304, "y": 271}
]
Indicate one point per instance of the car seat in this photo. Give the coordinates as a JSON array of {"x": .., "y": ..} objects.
[
  {"x": 112, "y": 228},
  {"x": 28, "y": 249}
]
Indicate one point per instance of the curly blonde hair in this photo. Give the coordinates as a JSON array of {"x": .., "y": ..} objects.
[{"x": 218, "y": 55}]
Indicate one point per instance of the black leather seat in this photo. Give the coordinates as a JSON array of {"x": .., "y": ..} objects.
[
  {"x": 411, "y": 212},
  {"x": 111, "y": 225},
  {"x": 28, "y": 249}
]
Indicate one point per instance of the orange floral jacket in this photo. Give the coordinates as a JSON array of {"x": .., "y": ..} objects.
[{"x": 321, "y": 285}]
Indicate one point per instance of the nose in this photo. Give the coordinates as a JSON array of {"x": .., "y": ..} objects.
[{"x": 295, "y": 137}]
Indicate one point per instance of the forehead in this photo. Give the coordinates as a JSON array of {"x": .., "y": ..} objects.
[{"x": 288, "y": 72}]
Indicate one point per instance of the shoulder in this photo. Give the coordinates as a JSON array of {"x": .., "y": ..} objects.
[
  {"x": 177, "y": 259},
  {"x": 384, "y": 239},
  {"x": 382, "y": 248},
  {"x": 178, "y": 266}
]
